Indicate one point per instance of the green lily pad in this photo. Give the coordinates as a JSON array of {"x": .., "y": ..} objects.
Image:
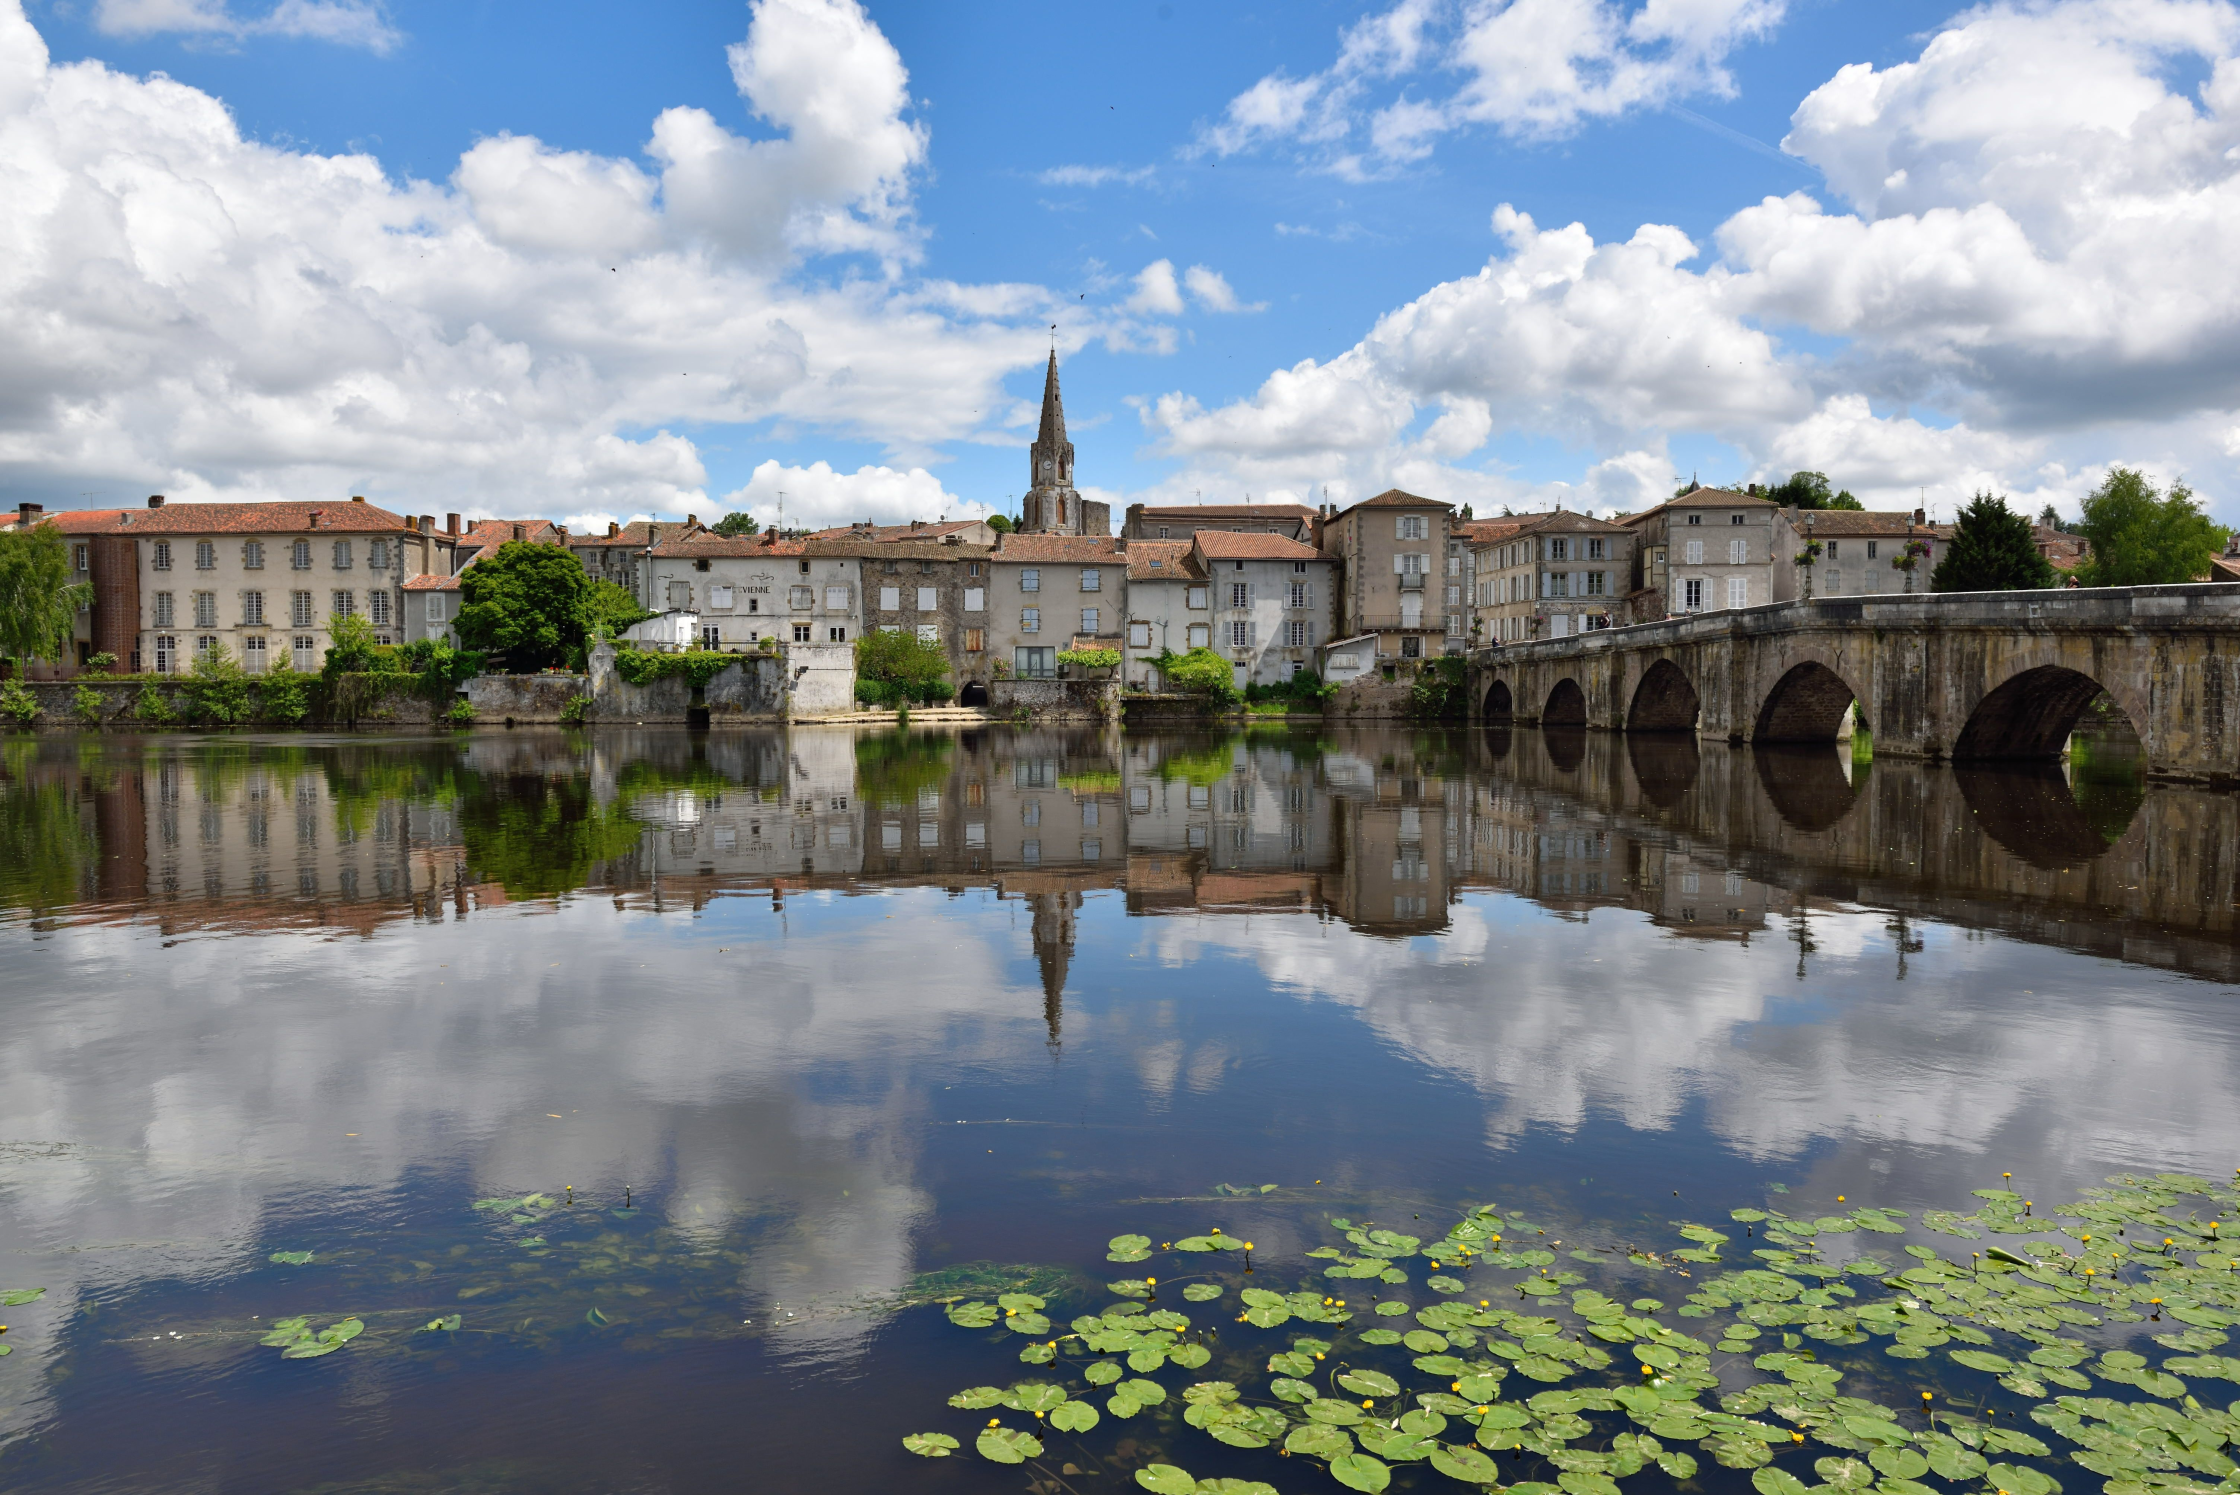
[
  {"x": 1128, "y": 1248},
  {"x": 1984, "y": 1360},
  {"x": 1466, "y": 1464},
  {"x": 1380, "y": 1336},
  {"x": 1369, "y": 1383},
  {"x": 1189, "y": 1356},
  {"x": 972, "y": 1315},
  {"x": 977, "y": 1398},
  {"x": 1290, "y": 1389},
  {"x": 291, "y": 1258},
  {"x": 1166, "y": 1479},
  {"x": 1319, "y": 1440},
  {"x": 1899, "y": 1463},
  {"x": 1201, "y": 1292},
  {"x": 1145, "y": 1361},
  {"x": 1360, "y": 1471},
  {"x": 1291, "y": 1363},
  {"x": 1007, "y": 1445},
  {"x": 1678, "y": 1465},
  {"x": 1034, "y": 1398},
  {"x": 2020, "y": 1479},
  {"x": 1074, "y": 1417},
  {"x": 1423, "y": 1341},
  {"x": 1102, "y": 1372},
  {"x": 448, "y": 1321},
  {"x": 930, "y": 1445}
]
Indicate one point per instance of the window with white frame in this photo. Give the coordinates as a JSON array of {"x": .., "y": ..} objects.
[
  {"x": 1091, "y": 579},
  {"x": 252, "y": 555},
  {"x": 836, "y": 634},
  {"x": 252, "y": 654},
  {"x": 1197, "y": 597},
  {"x": 711, "y": 636},
  {"x": 836, "y": 599},
  {"x": 929, "y": 598},
  {"x": 167, "y": 653},
  {"x": 1090, "y": 617},
  {"x": 1240, "y": 634},
  {"x": 304, "y": 648},
  {"x": 206, "y": 609},
  {"x": 1240, "y": 594},
  {"x": 1598, "y": 583},
  {"x": 1298, "y": 595},
  {"x": 1030, "y": 620},
  {"x": 345, "y": 604},
  {"x": 1298, "y": 633},
  {"x": 1738, "y": 552},
  {"x": 1598, "y": 549},
  {"x": 1692, "y": 552},
  {"x": 801, "y": 633},
  {"x": 890, "y": 599},
  {"x": 205, "y": 555},
  {"x": 299, "y": 555},
  {"x": 163, "y": 617},
  {"x": 252, "y": 609},
  {"x": 1559, "y": 549},
  {"x": 377, "y": 608},
  {"x": 1738, "y": 591},
  {"x": 719, "y": 599},
  {"x": 1030, "y": 578},
  {"x": 377, "y": 554},
  {"x": 1691, "y": 593},
  {"x": 436, "y": 610},
  {"x": 342, "y": 555},
  {"x": 928, "y": 633},
  {"x": 1201, "y": 635},
  {"x": 1034, "y": 662},
  {"x": 1412, "y": 527},
  {"x": 1139, "y": 635},
  {"x": 299, "y": 609},
  {"x": 975, "y": 599},
  {"x": 159, "y": 555}
]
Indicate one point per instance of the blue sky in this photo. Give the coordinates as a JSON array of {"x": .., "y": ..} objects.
[{"x": 1066, "y": 152}]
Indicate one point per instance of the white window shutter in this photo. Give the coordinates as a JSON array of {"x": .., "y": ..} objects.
[
  {"x": 1252, "y": 637},
  {"x": 1310, "y": 634}
]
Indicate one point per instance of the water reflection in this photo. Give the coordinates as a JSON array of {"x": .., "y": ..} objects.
[{"x": 849, "y": 1007}]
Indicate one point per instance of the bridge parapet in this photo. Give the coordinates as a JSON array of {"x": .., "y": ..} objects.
[{"x": 1934, "y": 675}]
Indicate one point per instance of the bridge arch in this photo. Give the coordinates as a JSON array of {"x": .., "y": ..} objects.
[
  {"x": 1500, "y": 703},
  {"x": 1805, "y": 705},
  {"x": 1664, "y": 701},
  {"x": 2030, "y": 714},
  {"x": 1567, "y": 705}
]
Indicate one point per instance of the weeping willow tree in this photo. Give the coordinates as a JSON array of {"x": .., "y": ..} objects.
[{"x": 39, "y": 603}]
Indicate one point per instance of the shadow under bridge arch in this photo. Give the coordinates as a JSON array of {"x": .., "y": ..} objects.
[
  {"x": 1805, "y": 705},
  {"x": 1664, "y": 701},
  {"x": 1500, "y": 703},
  {"x": 2030, "y": 716},
  {"x": 1567, "y": 705}
]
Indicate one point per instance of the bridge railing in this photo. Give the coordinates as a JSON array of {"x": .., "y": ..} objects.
[{"x": 2195, "y": 604}]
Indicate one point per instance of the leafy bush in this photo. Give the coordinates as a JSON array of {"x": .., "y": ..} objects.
[
  {"x": 908, "y": 668},
  {"x": 2141, "y": 537},
  {"x": 1201, "y": 672},
  {"x": 608, "y": 609},
  {"x": 350, "y": 648},
  {"x": 217, "y": 689},
  {"x": 284, "y": 694},
  {"x": 576, "y": 710},
  {"x": 1991, "y": 550},
  {"x": 531, "y": 601},
  {"x": 461, "y": 713},
  {"x": 1441, "y": 691},
  {"x": 16, "y": 700},
  {"x": 153, "y": 706},
  {"x": 1090, "y": 659},
  {"x": 87, "y": 703},
  {"x": 644, "y": 666},
  {"x": 101, "y": 659}
]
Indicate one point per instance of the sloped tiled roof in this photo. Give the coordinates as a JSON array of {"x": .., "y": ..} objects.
[
  {"x": 1079, "y": 549},
  {"x": 635, "y": 535},
  {"x": 273, "y": 516},
  {"x": 1483, "y": 531},
  {"x": 898, "y": 550},
  {"x": 428, "y": 581},
  {"x": 702, "y": 544},
  {"x": 1227, "y": 545},
  {"x": 1702, "y": 498},
  {"x": 1568, "y": 522},
  {"x": 1159, "y": 560},
  {"x": 1393, "y": 498},
  {"x": 1843, "y": 524},
  {"x": 888, "y": 534},
  {"x": 1299, "y": 512}
]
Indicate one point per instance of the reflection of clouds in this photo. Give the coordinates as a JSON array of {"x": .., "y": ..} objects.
[
  {"x": 208, "y": 1087},
  {"x": 2066, "y": 1067}
]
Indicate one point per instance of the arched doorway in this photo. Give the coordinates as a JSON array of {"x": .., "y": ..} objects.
[
  {"x": 973, "y": 694},
  {"x": 1500, "y": 705},
  {"x": 1805, "y": 705},
  {"x": 1567, "y": 705},
  {"x": 2030, "y": 716},
  {"x": 1664, "y": 701}
]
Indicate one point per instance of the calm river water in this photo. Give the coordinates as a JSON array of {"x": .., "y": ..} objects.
[{"x": 752, "y": 1047}]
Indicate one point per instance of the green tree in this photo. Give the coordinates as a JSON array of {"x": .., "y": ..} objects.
[
  {"x": 39, "y": 603},
  {"x": 1811, "y": 490},
  {"x": 1201, "y": 672},
  {"x": 1992, "y": 549},
  {"x": 2141, "y": 537},
  {"x": 731, "y": 526},
  {"x": 893, "y": 668},
  {"x": 350, "y": 648},
  {"x": 530, "y": 601},
  {"x": 611, "y": 608},
  {"x": 1002, "y": 524}
]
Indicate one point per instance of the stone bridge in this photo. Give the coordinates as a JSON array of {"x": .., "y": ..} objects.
[{"x": 1958, "y": 676}]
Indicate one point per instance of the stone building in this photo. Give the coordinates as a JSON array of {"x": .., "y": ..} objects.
[
  {"x": 1052, "y": 505},
  {"x": 1181, "y": 521},
  {"x": 1705, "y": 550},
  {"x": 1390, "y": 548},
  {"x": 937, "y": 590},
  {"x": 1048, "y": 593},
  {"x": 1859, "y": 552},
  {"x": 262, "y": 580},
  {"x": 1551, "y": 576},
  {"x": 1466, "y": 542},
  {"x": 922, "y": 531},
  {"x": 1271, "y": 601},
  {"x": 752, "y": 587},
  {"x": 1169, "y": 607},
  {"x": 619, "y": 554}
]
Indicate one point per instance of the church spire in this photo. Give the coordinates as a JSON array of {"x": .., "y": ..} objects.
[
  {"x": 1053, "y": 430},
  {"x": 1051, "y": 505}
]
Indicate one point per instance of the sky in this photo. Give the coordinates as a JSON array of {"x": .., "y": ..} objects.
[{"x": 597, "y": 262}]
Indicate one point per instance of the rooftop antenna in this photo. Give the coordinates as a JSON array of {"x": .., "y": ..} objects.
[{"x": 781, "y": 513}]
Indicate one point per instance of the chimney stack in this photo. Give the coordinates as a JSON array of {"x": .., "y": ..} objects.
[
  {"x": 357, "y": 498},
  {"x": 427, "y": 524},
  {"x": 613, "y": 529},
  {"x": 155, "y": 500},
  {"x": 316, "y": 514},
  {"x": 411, "y": 524},
  {"x": 27, "y": 514},
  {"x": 1920, "y": 516},
  {"x": 517, "y": 532}
]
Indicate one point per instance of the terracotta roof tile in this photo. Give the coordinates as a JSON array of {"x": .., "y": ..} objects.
[
  {"x": 1479, "y": 531},
  {"x": 1701, "y": 498},
  {"x": 899, "y": 550},
  {"x": 1845, "y": 523},
  {"x": 892, "y": 533},
  {"x": 1080, "y": 549},
  {"x": 635, "y": 535},
  {"x": 1393, "y": 498},
  {"x": 1159, "y": 560},
  {"x": 428, "y": 581},
  {"x": 276, "y": 516},
  {"x": 1299, "y": 512},
  {"x": 1568, "y": 521},
  {"x": 701, "y": 543},
  {"x": 1227, "y": 545}
]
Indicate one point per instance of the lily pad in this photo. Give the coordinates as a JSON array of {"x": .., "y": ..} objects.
[
  {"x": 1360, "y": 1471},
  {"x": 1369, "y": 1383},
  {"x": 977, "y": 1398},
  {"x": 1102, "y": 1372},
  {"x": 1166, "y": 1479},
  {"x": 291, "y": 1258},
  {"x": 1074, "y": 1417},
  {"x": 1466, "y": 1464},
  {"x": 1319, "y": 1440},
  {"x": 972, "y": 1315},
  {"x": 930, "y": 1445},
  {"x": 1007, "y": 1445},
  {"x": 16, "y": 1297},
  {"x": 1201, "y": 1292},
  {"x": 1128, "y": 1248}
]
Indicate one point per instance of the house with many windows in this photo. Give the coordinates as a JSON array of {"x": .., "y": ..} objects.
[
  {"x": 264, "y": 581},
  {"x": 936, "y": 589},
  {"x": 1708, "y": 548},
  {"x": 1050, "y": 593},
  {"x": 1270, "y": 602},
  {"x": 1170, "y": 607},
  {"x": 1181, "y": 521},
  {"x": 746, "y": 588},
  {"x": 1551, "y": 576},
  {"x": 1391, "y": 551},
  {"x": 1861, "y": 552}
]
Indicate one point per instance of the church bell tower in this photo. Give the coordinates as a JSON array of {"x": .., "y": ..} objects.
[{"x": 1052, "y": 505}]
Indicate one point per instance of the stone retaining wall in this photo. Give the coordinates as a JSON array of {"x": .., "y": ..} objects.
[{"x": 1056, "y": 700}]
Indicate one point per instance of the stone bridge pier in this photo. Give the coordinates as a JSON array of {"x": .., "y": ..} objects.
[{"x": 1953, "y": 676}]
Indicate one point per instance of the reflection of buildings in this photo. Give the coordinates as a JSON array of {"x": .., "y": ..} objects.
[{"x": 1383, "y": 832}]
